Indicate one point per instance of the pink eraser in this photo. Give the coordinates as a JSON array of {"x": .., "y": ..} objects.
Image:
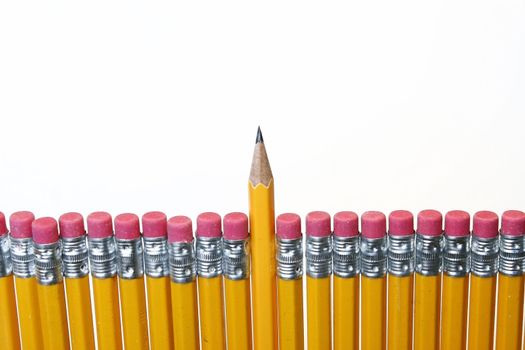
[
  {"x": 485, "y": 224},
  {"x": 346, "y": 224},
  {"x": 373, "y": 224},
  {"x": 401, "y": 223},
  {"x": 209, "y": 225},
  {"x": 71, "y": 225},
  {"x": 20, "y": 224},
  {"x": 235, "y": 226},
  {"x": 45, "y": 230},
  {"x": 154, "y": 224},
  {"x": 180, "y": 229},
  {"x": 288, "y": 226},
  {"x": 513, "y": 223},
  {"x": 457, "y": 223},
  {"x": 429, "y": 223},
  {"x": 3, "y": 226},
  {"x": 318, "y": 224},
  {"x": 127, "y": 226},
  {"x": 99, "y": 225}
]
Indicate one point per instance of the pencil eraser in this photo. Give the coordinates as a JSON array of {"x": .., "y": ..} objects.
[
  {"x": 401, "y": 223},
  {"x": 71, "y": 225},
  {"x": 99, "y": 225},
  {"x": 45, "y": 230},
  {"x": 3, "y": 226},
  {"x": 318, "y": 224},
  {"x": 20, "y": 224},
  {"x": 485, "y": 224},
  {"x": 235, "y": 226},
  {"x": 209, "y": 225},
  {"x": 288, "y": 226},
  {"x": 127, "y": 226},
  {"x": 457, "y": 223},
  {"x": 154, "y": 224},
  {"x": 513, "y": 223},
  {"x": 346, "y": 224},
  {"x": 180, "y": 229},
  {"x": 429, "y": 223},
  {"x": 373, "y": 224}
]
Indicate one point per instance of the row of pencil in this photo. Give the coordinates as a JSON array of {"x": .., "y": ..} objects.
[{"x": 198, "y": 291}]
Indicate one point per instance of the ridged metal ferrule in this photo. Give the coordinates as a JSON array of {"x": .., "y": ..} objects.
[
  {"x": 75, "y": 257},
  {"x": 511, "y": 255},
  {"x": 209, "y": 257},
  {"x": 130, "y": 259},
  {"x": 401, "y": 255},
  {"x": 346, "y": 256},
  {"x": 484, "y": 256},
  {"x": 6, "y": 267},
  {"x": 48, "y": 263},
  {"x": 429, "y": 254},
  {"x": 156, "y": 258},
  {"x": 289, "y": 258},
  {"x": 318, "y": 256},
  {"x": 182, "y": 262},
  {"x": 235, "y": 259},
  {"x": 102, "y": 257},
  {"x": 374, "y": 257},
  {"x": 22, "y": 257},
  {"x": 456, "y": 251}
]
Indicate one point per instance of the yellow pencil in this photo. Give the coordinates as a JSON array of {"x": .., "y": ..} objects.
[
  {"x": 484, "y": 267},
  {"x": 510, "y": 286},
  {"x": 427, "y": 306},
  {"x": 262, "y": 226},
  {"x": 22, "y": 257},
  {"x": 455, "y": 281},
  {"x": 209, "y": 272},
  {"x": 183, "y": 286},
  {"x": 48, "y": 270},
  {"x": 290, "y": 282},
  {"x": 400, "y": 279},
  {"x": 154, "y": 230},
  {"x": 373, "y": 280},
  {"x": 8, "y": 319},
  {"x": 103, "y": 263},
  {"x": 346, "y": 261}
]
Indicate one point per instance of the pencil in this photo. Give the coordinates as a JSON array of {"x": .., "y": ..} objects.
[
  {"x": 76, "y": 273},
  {"x": 48, "y": 270},
  {"x": 262, "y": 226},
  {"x": 290, "y": 281},
  {"x": 8, "y": 317}
]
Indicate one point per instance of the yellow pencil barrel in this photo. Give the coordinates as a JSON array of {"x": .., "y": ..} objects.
[
  {"x": 319, "y": 313},
  {"x": 211, "y": 313},
  {"x": 426, "y": 312},
  {"x": 400, "y": 297},
  {"x": 185, "y": 315},
  {"x": 79, "y": 311},
  {"x": 454, "y": 312},
  {"x": 8, "y": 317},
  {"x": 107, "y": 313},
  {"x": 54, "y": 318},
  {"x": 134, "y": 316},
  {"x": 160, "y": 313}
]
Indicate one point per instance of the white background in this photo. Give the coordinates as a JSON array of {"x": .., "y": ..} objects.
[{"x": 138, "y": 106}]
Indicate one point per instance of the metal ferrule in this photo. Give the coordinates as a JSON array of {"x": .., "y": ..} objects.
[
  {"x": 429, "y": 254},
  {"x": 130, "y": 259},
  {"x": 511, "y": 255},
  {"x": 484, "y": 256},
  {"x": 22, "y": 257},
  {"x": 374, "y": 257},
  {"x": 346, "y": 256},
  {"x": 156, "y": 258},
  {"x": 209, "y": 257},
  {"x": 75, "y": 257},
  {"x": 289, "y": 258},
  {"x": 235, "y": 259},
  {"x": 182, "y": 262},
  {"x": 6, "y": 267},
  {"x": 48, "y": 263},
  {"x": 401, "y": 255},
  {"x": 456, "y": 251},
  {"x": 318, "y": 256},
  {"x": 102, "y": 257}
]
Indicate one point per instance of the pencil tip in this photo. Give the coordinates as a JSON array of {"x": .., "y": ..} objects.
[{"x": 259, "y": 138}]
